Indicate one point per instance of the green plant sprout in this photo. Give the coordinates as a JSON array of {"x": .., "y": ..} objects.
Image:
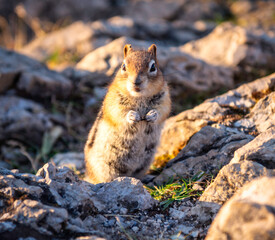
[{"x": 179, "y": 189}]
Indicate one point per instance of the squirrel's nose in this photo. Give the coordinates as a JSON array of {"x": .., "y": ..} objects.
[{"x": 137, "y": 81}]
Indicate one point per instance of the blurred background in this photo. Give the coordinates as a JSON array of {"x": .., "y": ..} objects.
[
  {"x": 57, "y": 57},
  {"x": 167, "y": 22}
]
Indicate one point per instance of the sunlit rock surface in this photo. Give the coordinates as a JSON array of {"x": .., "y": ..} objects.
[{"x": 249, "y": 214}]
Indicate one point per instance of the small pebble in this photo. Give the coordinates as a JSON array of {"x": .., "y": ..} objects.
[
  {"x": 135, "y": 229},
  {"x": 123, "y": 211}
]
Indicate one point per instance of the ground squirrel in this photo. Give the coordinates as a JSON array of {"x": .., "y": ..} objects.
[{"x": 125, "y": 134}]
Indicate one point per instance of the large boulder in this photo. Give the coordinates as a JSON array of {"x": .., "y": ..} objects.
[
  {"x": 234, "y": 46},
  {"x": 56, "y": 203},
  {"x": 249, "y": 214},
  {"x": 250, "y": 103},
  {"x": 231, "y": 178},
  {"x": 208, "y": 150},
  {"x": 260, "y": 150},
  {"x": 122, "y": 193},
  {"x": 31, "y": 77},
  {"x": 179, "y": 129}
]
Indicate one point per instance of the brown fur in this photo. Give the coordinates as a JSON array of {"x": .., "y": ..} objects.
[{"x": 115, "y": 145}]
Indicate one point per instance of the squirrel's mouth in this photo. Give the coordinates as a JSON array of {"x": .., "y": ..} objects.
[{"x": 137, "y": 89}]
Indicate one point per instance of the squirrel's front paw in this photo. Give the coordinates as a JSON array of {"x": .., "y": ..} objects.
[
  {"x": 133, "y": 117},
  {"x": 152, "y": 116}
]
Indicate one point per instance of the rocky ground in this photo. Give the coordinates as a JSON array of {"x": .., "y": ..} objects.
[{"x": 221, "y": 131}]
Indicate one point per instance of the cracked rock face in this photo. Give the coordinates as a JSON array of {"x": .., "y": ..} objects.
[
  {"x": 208, "y": 150},
  {"x": 240, "y": 108},
  {"x": 56, "y": 203},
  {"x": 246, "y": 96},
  {"x": 262, "y": 115},
  {"x": 221, "y": 140},
  {"x": 231, "y": 178},
  {"x": 37, "y": 216},
  {"x": 260, "y": 150},
  {"x": 249, "y": 214}
]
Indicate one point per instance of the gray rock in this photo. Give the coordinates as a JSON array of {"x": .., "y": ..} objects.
[
  {"x": 176, "y": 214},
  {"x": 185, "y": 72},
  {"x": 72, "y": 160},
  {"x": 181, "y": 70},
  {"x": 63, "y": 174},
  {"x": 135, "y": 229},
  {"x": 122, "y": 193},
  {"x": 246, "y": 96},
  {"x": 228, "y": 108},
  {"x": 66, "y": 189},
  {"x": 22, "y": 119},
  {"x": 56, "y": 203},
  {"x": 10, "y": 153},
  {"x": 11, "y": 187},
  {"x": 260, "y": 150},
  {"x": 262, "y": 114},
  {"x": 78, "y": 39},
  {"x": 208, "y": 150},
  {"x": 234, "y": 46},
  {"x": 5, "y": 165},
  {"x": 178, "y": 129},
  {"x": 185, "y": 229},
  {"x": 37, "y": 216},
  {"x": 249, "y": 214},
  {"x": 7, "y": 79},
  {"x": 7, "y": 226},
  {"x": 31, "y": 76},
  {"x": 44, "y": 83},
  {"x": 204, "y": 211},
  {"x": 230, "y": 179}
]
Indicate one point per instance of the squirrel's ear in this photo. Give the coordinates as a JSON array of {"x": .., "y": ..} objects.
[
  {"x": 153, "y": 50},
  {"x": 127, "y": 49}
]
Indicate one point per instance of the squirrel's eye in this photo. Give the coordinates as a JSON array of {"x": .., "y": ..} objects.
[
  {"x": 153, "y": 67},
  {"x": 123, "y": 67}
]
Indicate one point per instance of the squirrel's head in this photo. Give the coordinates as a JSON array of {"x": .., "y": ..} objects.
[{"x": 140, "y": 71}]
